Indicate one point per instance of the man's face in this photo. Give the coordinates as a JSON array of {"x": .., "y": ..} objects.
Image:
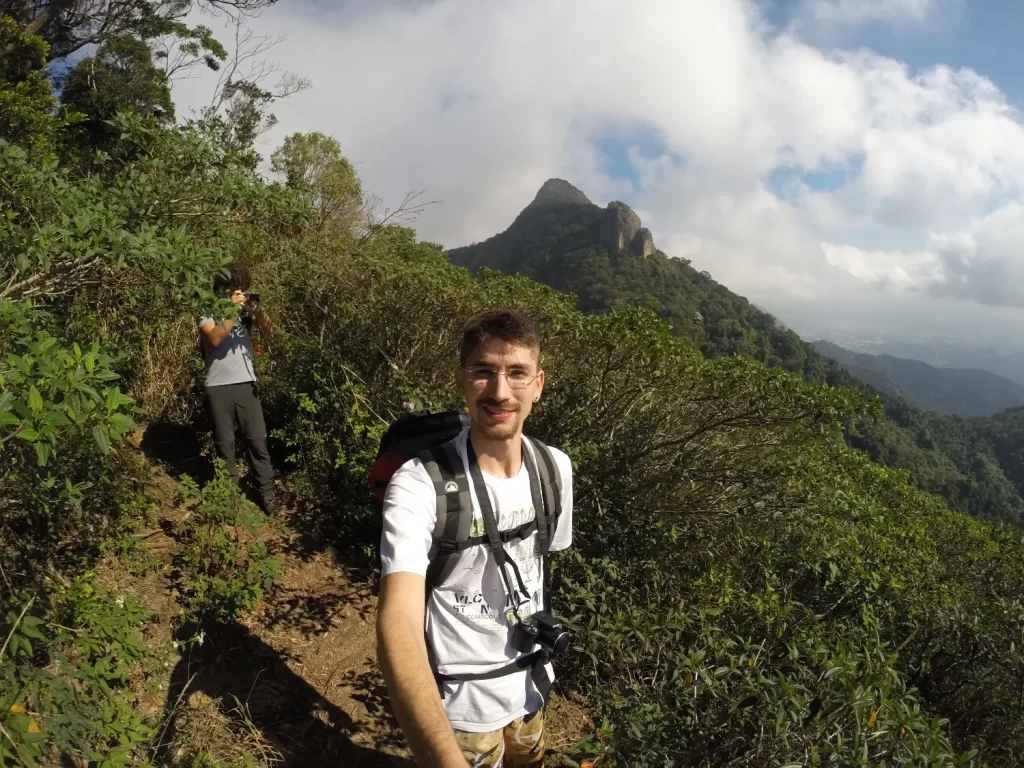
[{"x": 500, "y": 382}]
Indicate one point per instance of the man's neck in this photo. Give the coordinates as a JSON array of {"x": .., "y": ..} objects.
[{"x": 500, "y": 458}]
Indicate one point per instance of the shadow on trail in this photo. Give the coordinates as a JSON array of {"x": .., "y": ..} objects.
[
  {"x": 295, "y": 718},
  {"x": 342, "y": 518},
  {"x": 179, "y": 448}
]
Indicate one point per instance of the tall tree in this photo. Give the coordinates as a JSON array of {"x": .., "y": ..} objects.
[
  {"x": 121, "y": 77},
  {"x": 27, "y": 105},
  {"x": 312, "y": 164},
  {"x": 70, "y": 25}
]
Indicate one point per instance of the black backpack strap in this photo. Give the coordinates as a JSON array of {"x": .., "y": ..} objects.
[
  {"x": 454, "y": 508},
  {"x": 539, "y": 503},
  {"x": 493, "y": 536},
  {"x": 550, "y": 485},
  {"x": 535, "y": 662},
  {"x": 551, "y": 491}
]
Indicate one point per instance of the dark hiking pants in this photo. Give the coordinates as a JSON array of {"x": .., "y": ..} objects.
[{"x": 228, "y": 402}]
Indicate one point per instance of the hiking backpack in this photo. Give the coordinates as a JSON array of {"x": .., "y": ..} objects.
[{"x": 407, "y": 437}]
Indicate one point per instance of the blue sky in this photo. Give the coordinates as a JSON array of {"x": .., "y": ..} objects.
[{"x": 985, "y": 35}]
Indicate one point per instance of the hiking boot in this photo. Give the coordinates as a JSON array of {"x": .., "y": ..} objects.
[{"x": 269, "y": 504}]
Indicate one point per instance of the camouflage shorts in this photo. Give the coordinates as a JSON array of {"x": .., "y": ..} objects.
[{"x": 520, "y": 743}]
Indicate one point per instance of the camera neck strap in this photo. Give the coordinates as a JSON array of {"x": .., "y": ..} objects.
[
  {"x": 535, "y": 661},
  {"x": 494, "y": 543}
]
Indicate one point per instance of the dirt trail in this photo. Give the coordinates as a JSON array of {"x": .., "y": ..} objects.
[{"x": 295, "y": 680}]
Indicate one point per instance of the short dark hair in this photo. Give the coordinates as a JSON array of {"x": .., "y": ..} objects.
[
  {"x": 512, "y": 326},
  {"x": 237, "y": 278}
]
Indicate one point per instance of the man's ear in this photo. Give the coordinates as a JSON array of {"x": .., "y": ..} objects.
[{"x": 540, "y": 383}]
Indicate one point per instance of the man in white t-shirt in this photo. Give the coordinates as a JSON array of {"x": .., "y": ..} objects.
[{"x": 464, "y": 627}]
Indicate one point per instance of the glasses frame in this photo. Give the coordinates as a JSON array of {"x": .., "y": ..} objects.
[{"x": 494, "y": 372}]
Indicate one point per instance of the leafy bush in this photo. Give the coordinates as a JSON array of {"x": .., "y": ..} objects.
[
  {"x": 225, "y": 568},
  {"x": 59, "y": 417},
  {"x": 67, "y": 694}
]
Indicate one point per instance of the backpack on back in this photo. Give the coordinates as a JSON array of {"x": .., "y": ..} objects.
[
  {"x": 453, "y": 529},
  {"x": 407, "y": 437},
  {"x": 454, "y": 534}
]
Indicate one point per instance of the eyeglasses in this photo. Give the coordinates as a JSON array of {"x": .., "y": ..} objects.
[{"x": 517, "y": 378}]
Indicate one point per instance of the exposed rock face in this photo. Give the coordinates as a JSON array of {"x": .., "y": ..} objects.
[
  {"x": 559, "y": 192},
  {"x": 643, "y": 243},
  {"x": 619, "y": 226}
]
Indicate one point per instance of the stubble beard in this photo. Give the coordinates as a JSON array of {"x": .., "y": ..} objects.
[{"x": 503, "y": 432}]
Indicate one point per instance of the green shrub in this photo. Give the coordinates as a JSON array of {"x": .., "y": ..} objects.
[
  {"x": 64, "y": 684},
  {"x": 225, "y": 567},
  {"x": 61, "y": 420}
]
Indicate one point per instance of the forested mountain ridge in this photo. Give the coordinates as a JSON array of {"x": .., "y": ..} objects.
[
  {"x": 961, "y": 391},
  {"x": 608, "y": 261}
]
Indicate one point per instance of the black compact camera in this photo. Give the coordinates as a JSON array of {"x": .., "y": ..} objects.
[
  {"x": 252, "y": 298},
  {"x": 543, "y": 628}
]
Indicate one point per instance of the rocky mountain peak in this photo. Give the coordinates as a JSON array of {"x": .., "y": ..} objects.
[{"x": 560, "y": 192}]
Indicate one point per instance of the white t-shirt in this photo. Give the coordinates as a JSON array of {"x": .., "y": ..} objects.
[{"x": 466, "y": 624}]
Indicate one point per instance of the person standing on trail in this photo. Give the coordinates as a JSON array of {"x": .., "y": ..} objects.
[
  {"x": 464, "y": 633},
  {"x": 231, "y": 389}
]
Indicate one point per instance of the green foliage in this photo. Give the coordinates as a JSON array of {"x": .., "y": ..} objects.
[
  {"x": 313, "y": 166},
  {"x": 225, "y": 567},
  {"x": 59, "y": 417},
  {"x": 187, "y": 48},
  {"x": 27, "y": 105},
  {"x": 245, "y": 115},
  {"x": 129, "y": 250},
  {"x": 69, "y": 692},
  {"x": 121, "y": 77}
]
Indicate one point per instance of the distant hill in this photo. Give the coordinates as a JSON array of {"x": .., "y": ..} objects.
[
  {"x": 961, "y": 391},
  {"x": 608, "y": 260},
  {"x": 944, "y": 354},
  {"x": 1008, "y": 365}
]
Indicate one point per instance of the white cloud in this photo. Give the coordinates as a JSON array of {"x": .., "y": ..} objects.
[
  {"x": 890, "y": 269},
  {"x": 982, "y": 263},
  {"x": 478, "y": 103}
]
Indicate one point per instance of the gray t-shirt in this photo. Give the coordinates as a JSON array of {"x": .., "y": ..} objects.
[{"x": 231, "y": 361}]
